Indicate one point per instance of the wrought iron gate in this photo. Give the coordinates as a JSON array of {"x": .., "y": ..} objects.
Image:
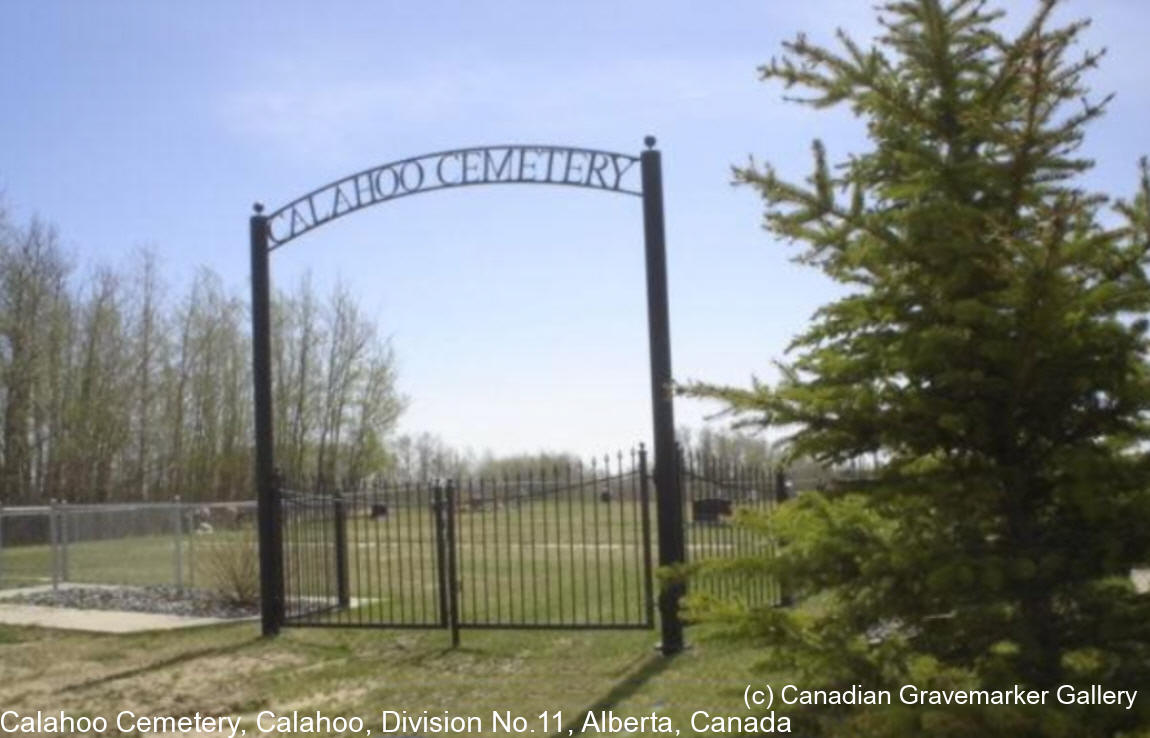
[{"x": 563, "y": 547}]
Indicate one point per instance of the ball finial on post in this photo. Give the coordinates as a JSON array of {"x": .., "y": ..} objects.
[
  {"x": 650, "y": 141},
  {"x": 258, "y": 207}
]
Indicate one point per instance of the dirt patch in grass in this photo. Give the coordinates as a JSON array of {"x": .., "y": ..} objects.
[{"x": 231, "y": 670}]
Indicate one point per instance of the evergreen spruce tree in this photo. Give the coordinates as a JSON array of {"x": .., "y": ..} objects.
[{"x": 992, "y": 353}]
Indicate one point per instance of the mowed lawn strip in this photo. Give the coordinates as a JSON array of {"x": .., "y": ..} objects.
[{"x": 231, "y": 670}]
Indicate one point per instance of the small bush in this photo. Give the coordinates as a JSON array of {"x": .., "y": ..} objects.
[{"x": 232, "y": 567}]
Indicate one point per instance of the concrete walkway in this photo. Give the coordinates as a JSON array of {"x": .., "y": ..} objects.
[
  {"x": 100, "y": 621},
  {"x": 94, "y": 621}
]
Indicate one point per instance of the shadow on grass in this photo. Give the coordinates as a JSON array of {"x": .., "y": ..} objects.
[
  {"x": 649, "y": 667},
  {"x": 404, "y": 647},
  {"x": 175, "y": 660}
]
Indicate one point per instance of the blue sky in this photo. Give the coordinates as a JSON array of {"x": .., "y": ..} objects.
[{"x": 517, "y": 313}]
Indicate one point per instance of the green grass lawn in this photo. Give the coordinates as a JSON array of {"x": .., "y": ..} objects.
[
  {"x": 136, "y": 561},
  {"x": 231, "y": 670}
]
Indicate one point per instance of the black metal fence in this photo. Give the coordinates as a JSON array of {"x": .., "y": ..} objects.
[
  {"x": 562, "y": 547},
  {"x": 715, "y": 492}
]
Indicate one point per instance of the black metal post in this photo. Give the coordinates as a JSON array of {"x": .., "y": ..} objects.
[
  {"x": 438, "y": 509},
  {"x": 342, "y": 587},
  {"x": 452, "y": 577},
  {"x": 669, "y": 495},
  {"x": 782, "y": 494},
  {"x": 645, "y": 518},
  {"x": 267, "y": 488}
]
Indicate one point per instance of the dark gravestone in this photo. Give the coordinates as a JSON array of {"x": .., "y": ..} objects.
[
  {"x": 378, "y": 511},
  {"x": 710, "y": 509},
  {"x": 783, "y": 488}
]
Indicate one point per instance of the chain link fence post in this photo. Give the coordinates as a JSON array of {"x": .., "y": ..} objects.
[
  {"x": 177, "y": 531},
  {"x": 54, "y": 543},
  {"x": 192, "y": 529},
  {"x": 64, "y": 536}
]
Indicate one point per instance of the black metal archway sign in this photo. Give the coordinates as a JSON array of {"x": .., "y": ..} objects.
[{"x": 481, "y": 165}]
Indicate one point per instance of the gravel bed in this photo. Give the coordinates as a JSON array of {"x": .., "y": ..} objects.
[{"x": 159, "y": 599}]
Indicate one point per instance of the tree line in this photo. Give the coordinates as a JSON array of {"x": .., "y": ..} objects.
[
  {"x": 113, "y": 388},
  {"x": 426, "y": 456}
]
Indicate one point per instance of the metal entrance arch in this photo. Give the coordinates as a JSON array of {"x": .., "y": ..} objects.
[{"x": 481, "y": 165}]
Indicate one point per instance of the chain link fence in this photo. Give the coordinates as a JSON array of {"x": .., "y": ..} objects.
[{"x": 135, "y": 544}]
